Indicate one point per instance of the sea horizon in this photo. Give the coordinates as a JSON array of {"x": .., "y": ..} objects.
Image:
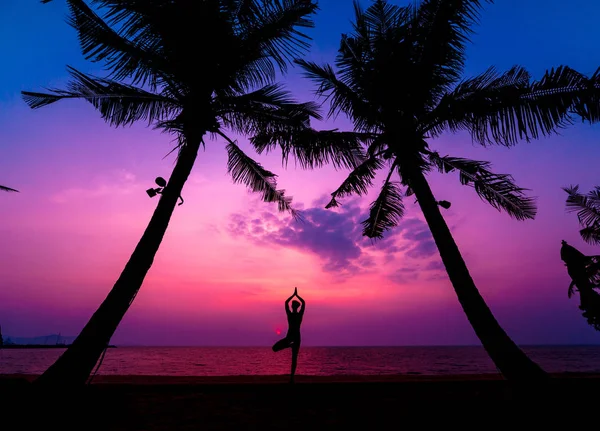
[
  {"x": 313, "y": 360},
  {"x": 51, "y": 339},
  {"x": 348, "y": 346}
]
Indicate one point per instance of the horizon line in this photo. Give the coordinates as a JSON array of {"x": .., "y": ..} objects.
[{"x": 356, "y": 346}]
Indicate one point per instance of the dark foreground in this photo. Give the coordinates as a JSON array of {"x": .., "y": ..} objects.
[{"x": 268, "y": 402}]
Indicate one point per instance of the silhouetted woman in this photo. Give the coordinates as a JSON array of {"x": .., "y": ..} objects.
[{"x": 292, "y": 338}]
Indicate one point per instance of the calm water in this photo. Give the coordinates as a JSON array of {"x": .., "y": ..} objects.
[{"x": 224, "y": 361}]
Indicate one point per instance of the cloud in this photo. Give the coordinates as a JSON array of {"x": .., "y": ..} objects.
[
  {"x": 418, "y": 234},
  {"x": 429, "y": 271},
  {"x": 120, "y": 182},
  {"x": 404, "y": 275},
  {"x": 335, "y": 237}
]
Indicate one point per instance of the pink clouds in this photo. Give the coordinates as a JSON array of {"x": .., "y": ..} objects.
[{"x": 334, "y": 237}]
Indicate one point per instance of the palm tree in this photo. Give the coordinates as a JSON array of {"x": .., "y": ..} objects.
[
  {"x": 584, "y": 270},
  {"x": 588, "y": 212},
  {"x": 196, "y": 70},
  {"x": 8, "y": 189},
  {"x": 585, "y": 276},
  {"x": 399, "y": 80}
]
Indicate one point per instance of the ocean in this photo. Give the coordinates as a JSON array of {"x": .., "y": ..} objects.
[{"x": 320, "y": 361}]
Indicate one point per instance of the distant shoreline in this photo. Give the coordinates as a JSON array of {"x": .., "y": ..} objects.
[
  {"x": 40, "y": 346},
  {"x": 166, "y": 346}
]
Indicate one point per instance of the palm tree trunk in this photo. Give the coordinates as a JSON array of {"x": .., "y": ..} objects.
[
  {"x": 509, "y": 359},
  {"x": 78, "y": 361}
]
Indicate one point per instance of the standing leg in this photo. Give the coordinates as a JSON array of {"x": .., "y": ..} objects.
[{"x": 295, "y": 350}]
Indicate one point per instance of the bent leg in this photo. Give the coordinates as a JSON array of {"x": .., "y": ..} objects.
[
  {"x": 284, "y": 343},
  {"x": 295, "y": 351}
]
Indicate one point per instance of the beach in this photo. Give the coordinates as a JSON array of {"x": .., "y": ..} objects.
[{"x": 313, "y": 402}]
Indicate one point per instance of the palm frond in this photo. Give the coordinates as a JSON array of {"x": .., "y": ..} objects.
[
  {"x": 119, "y": 104},
  {"x": 505, "y": 108},
  {"x": 381, "y": 23},
  {"x": 266, "y": 36},
  {"x": 386, "y": 211},
  {"x": 8, "y": 189},
  {"x": 341, "y": 97},
  {"x": 267, "y": 110},
  {"x": 312, "y": 148},
  {"x": 270, "y": 95},
  {"x": 252, "y": 73},
  {"x": 273, "y": 29},
  {"x": 137, "y": 60},
  {"x": 379, "y": 18},
  {"x": 358, "y": 181},
  {"x": 442, "y": 29},
  {"x": 246, "y": 171},
  {"x": 591, "y": 234},
  {"x": 499, "y": 190},
  {"x": 588, "y": 212}
]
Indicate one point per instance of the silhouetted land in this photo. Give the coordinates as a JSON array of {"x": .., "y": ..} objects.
[
  {"x": 39, "y": 346},
  {"x": 268, "y": 402}
]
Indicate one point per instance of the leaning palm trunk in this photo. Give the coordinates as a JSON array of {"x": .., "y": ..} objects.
[
  {"x": 78, "y": 361},
  {"x": 242, "y": 45},
  {"x": 506, "y": 355},
  {"x": 399, "y": 79}
]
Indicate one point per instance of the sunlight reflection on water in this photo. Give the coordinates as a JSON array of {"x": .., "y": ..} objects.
[{"x": 227, "y": 361}]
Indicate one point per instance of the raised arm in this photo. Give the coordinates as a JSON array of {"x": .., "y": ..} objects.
[
  {"x": 287, "y": 302},
  {"x": 301, "y": 302}
]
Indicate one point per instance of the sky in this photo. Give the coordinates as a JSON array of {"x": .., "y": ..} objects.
[{"x": 228, "y": 261}]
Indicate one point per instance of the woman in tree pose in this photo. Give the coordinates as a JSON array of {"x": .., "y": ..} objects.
[{"x": 292, "y": 338}]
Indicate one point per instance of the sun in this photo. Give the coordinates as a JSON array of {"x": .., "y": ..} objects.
[{"x": 278, "y": 331}]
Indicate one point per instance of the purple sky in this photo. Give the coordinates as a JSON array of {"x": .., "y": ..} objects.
[{"x": 228, "y": 261}]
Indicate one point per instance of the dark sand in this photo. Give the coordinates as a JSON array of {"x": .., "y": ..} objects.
[{"x": 314, "y": 402}]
